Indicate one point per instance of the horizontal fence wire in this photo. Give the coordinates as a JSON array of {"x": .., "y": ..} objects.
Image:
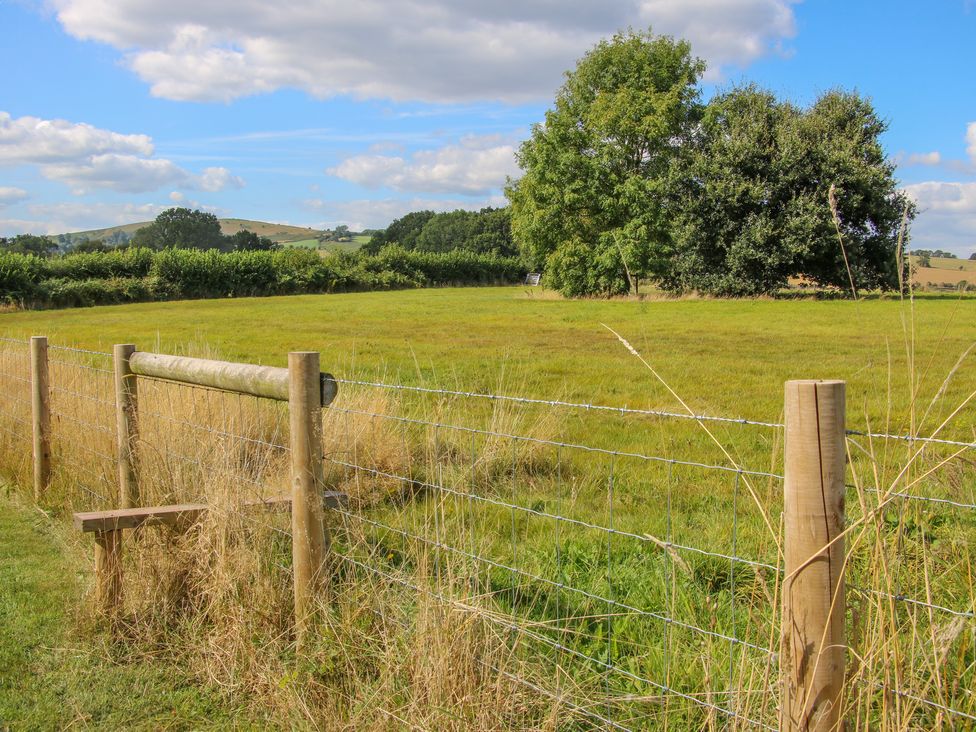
[
  {"x": 448, "y": 503},
  {"x": 555, "y": 443}
]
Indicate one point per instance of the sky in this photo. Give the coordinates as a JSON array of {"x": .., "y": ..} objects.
[{"x": 326, "y": 112}]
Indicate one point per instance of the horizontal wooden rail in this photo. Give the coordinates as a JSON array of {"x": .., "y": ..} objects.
[
  {"x": 130, "y": 518},
  {"x": 269, "y": 382}
]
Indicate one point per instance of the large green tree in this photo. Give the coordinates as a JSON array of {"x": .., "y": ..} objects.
[
  {"x": 591, "y": 207},
  {"x": 182, "y": 228},
  {"x": 753, "y": 197}
]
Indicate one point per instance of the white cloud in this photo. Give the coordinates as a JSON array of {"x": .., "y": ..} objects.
[
  {"x": 430, "y": 50},
  {"x": 87, "y": 158},
  {"x": 10, "y": 195},
  {"x": 947, "y": 216},
  {"x": 124, "y": 173},
  {"x": 474, "y": 166},
  {"x": 35, "y": 140},
  {"x": 377, "y": 214},
  {"x": 217, "y": 179},
  {"x": 929, "y": 158}
]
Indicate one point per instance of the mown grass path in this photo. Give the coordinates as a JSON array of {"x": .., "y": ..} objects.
[{"x": 51, "y": 677}]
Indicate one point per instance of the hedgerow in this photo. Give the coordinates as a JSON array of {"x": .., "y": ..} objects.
[{"x": 140, "y": 275}]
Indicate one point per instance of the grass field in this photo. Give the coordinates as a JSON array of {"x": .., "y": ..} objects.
[
  {"x": 722, "y": 357},
  {"x": 728, "y": 357}
]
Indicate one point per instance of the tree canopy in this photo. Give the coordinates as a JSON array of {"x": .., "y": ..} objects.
[
  {"x": 631, "y": 177},
  {"x": 591, "y": 207},
  {"x": 181, "y": 228},
  {"x": 488, "y": 231}
]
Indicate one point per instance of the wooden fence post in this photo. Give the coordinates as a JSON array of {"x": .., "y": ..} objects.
[
  {"x": 310, "y": 539},
  {"x": 127, "y": 425},
  {"x": 814, "y": 647},
  {"x": 108, "y": 572},
  {"x": 41, "y": 415}
]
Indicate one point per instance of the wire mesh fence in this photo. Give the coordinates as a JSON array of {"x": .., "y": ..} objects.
[{"x": 629, "y": 562}]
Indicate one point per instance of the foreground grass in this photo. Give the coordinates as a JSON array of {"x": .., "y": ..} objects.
[
  {"x": 53, "y": 678},
  {"x": 725, "y": 357}
]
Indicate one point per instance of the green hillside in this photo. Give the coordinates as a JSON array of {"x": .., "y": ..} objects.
[{"x": 279, "y": 233}]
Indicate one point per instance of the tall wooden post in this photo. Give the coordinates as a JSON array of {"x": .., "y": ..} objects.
[
  {"x": 41, "y": 415},
  {"x": 127, "y": 425},
  {"x": 310, "y": 539},
  {"x": 814, "y": 646}
]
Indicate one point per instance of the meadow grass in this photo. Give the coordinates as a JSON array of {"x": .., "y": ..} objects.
[{"x": 470, "y": 514}]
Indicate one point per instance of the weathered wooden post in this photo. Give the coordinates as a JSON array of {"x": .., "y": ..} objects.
[
  {"x": 127, "y": 422},
  {"x": 310, "y": 539},
  {"x": 108, "y": 572},
  {"x": 41, "y": 415},
  {"x": 814, "y": 647}
]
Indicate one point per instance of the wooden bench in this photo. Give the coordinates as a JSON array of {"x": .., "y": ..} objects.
[{"x": 108, "y": 526}]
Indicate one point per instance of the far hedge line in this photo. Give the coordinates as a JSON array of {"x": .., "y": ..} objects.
[{"x": 142, "y": 275}]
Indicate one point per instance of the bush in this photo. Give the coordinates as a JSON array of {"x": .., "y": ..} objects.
[
  {"x": 101, "y": 265},
  {"x": 66, "y": 293},
  {"x": 19, "y": 275}
]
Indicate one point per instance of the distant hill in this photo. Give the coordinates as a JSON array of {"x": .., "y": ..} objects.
[{"x": 279, "y": 233}]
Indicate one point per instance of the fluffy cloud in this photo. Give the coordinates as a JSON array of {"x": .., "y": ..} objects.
[
  {"x": 10, "y": 195},
  {"x": 34, "y": 140},
  {"x": 431, "y": 50},
  {"x": 947, "y": 216},
  {"x": 475, "y": 166},
  {"x": 87, "y": 158},
  {"x": 377, "y": 214}
]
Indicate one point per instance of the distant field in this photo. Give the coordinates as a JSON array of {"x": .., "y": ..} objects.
[
  {"x": 516, "y": 339},
  {"x": 933, "y": 276},
  {"x": 968, "y": 265}
]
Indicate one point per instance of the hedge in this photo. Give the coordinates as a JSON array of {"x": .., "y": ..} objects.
[{"x": 140, "y": 275}]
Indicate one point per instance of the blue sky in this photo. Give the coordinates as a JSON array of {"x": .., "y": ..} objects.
[{"x": 319, "y": 112}]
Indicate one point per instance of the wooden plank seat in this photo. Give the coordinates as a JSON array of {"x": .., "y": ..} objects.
[
  {"x": 130, "y": 518},
  {"x": 182, "y": 514},
  {"x": 108, "y": 526}
]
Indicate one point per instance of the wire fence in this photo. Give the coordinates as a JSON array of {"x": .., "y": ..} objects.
[{"x": 630, "y": 563}]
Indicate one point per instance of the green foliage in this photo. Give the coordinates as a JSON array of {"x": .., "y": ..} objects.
[
  {"x": 753, "y": 197},
  {"x": 181, "y": 228},
  {"x": 19, "y": 275},
  {"x": 100, "y": 265},
  {"x": 630, "y": 178},
  {"x": 596, "y": 170},
  {"x": 927, "y": 253},
  {"x": 403, "y": 231},
  {"x": 132, "y": 275},
  {"x": 41, "y": 246},
  {"x": 248, "y": 241}
]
